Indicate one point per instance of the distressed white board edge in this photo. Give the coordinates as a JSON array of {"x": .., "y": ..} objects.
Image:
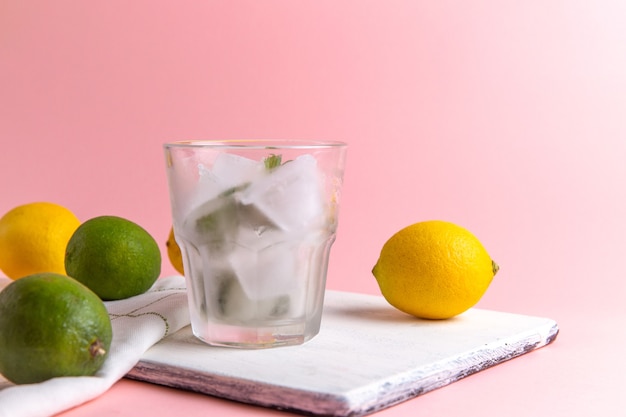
[
  {"x": 420, "y": 381},
  {"x": 326, "y": 377}
]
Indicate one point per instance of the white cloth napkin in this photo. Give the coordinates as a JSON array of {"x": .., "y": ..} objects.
[{"x": 138, "y": 323}]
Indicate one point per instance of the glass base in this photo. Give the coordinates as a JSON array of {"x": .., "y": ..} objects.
[{"x": 255, "y": 337}]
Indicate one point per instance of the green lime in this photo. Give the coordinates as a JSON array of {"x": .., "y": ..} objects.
[
  {"x": 51, "y": 326},
  {"x": 114, "y": 257}
]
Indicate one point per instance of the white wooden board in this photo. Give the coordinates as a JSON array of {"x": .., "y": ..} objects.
[{"x": 367, "y": 356}]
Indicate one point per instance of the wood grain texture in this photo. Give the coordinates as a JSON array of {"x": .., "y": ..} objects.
[{"x": 368, "y": 356}]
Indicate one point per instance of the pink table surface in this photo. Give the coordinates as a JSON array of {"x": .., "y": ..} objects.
[{"x": 580, "y": 374}]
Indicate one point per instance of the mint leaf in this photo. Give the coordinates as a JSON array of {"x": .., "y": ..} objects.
[{"x": 273, "y": 161}]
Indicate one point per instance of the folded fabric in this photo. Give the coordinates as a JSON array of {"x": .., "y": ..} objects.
[{"x": 138, "y": 323}]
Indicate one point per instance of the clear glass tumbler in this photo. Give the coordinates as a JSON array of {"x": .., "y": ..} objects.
[{"x": 255, "y": 221}]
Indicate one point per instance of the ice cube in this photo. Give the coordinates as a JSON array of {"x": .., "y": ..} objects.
[
  {"x": 233, "y": 305},
  {"x": 233, "y": 171},
  {"x": 215, "y": 220},
  {"x": 290, "y": 196},
  {"x": 207, "y": 188},
  {"x": 256, "y": 231},
  {"x": 266, "y": 272}
]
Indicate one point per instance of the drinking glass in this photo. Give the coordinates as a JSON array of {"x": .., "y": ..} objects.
[{"x": 255, "y": 221}]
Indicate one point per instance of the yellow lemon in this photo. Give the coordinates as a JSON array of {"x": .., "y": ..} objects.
[
  {"x": 33, "y": 238},
  {"x": 173, "y": 252},
  {"x": 434, "y": 270}
]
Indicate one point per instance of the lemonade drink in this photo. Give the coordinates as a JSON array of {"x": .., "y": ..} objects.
[{"x": 255, "y": 227}]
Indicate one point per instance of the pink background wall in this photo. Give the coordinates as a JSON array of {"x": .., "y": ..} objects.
[{"x": 505, "y": 117}]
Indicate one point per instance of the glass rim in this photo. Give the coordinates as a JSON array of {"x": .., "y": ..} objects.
[{"x": 256, "y": 144}]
